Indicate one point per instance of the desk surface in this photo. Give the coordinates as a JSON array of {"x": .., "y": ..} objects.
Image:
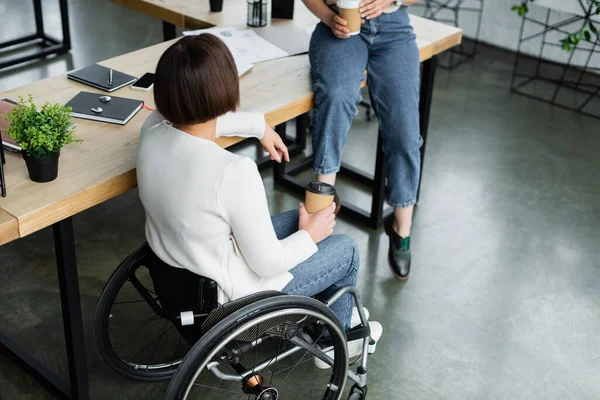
[
  {"x": 103, "y": 166},
  {"x": 196, "y": 15}
]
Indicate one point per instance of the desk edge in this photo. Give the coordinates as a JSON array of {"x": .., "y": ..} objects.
[{"x": 9, "y": 229}]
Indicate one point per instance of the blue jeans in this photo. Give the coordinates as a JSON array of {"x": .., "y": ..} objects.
[
  {"x": 332, "y": 267},
  {"x": 387, "y": 49}
]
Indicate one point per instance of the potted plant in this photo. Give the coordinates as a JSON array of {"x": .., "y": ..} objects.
[{"x": 41, "y": 134}]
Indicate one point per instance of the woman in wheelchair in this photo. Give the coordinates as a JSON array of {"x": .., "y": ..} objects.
[{"x": 208, "y": 227}]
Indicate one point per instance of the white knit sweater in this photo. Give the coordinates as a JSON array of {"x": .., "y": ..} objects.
[{"x": 206, "y": 208}]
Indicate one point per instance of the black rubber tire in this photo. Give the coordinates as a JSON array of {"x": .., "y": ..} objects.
[
  {"x": 101, "y": 320},
  {"x": 202, "y": 349}
]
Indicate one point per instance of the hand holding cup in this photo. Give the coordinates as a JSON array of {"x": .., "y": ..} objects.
[{"x": 318, "y": 225}]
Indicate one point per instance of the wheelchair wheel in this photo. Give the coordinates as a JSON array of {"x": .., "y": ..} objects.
[
  {"x": 131, "y": 335},
  {"x": 263, "y": 352}
]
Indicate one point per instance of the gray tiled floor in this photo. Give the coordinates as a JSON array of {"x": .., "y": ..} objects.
[{"x": 504, "y": 299}]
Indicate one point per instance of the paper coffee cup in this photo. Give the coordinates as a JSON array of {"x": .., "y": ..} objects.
[
  {"x": 350, "y": 12},
  {"x": 319, "y": 196}
]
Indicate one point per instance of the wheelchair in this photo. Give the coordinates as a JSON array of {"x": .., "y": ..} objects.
[{"x": 261, "y": 347}]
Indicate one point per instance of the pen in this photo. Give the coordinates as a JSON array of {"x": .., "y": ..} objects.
[{"x": 110, "y": 74}]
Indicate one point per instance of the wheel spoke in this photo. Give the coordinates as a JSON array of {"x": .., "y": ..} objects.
[
  {"x": 295, "y": 389},
  {"x": 224, "y": 395},
  {"x": 217, "y": 388},
  {"x": 254, "y": 363},
  {"x": 278, "y": 349},
  {"x": 153, "y": 318},
  {"x": 158, "y": 342},
  {"x": 177, "y": 348},
  {"x": 243, "y": 354},
  {"x": 304, "y": 395},
  {"x": 298, "y": 363},
  {"x": 144, "y": 324},
  {"x": 129, "y": 302},
  {"x": 242, "y": 395},
  {"x": 288, "y": 368},
  {"x": 153, "y": 341}
]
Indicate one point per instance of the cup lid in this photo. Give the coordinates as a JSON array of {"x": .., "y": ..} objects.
[
  {"x": 348, "y": 3},
  {"x": 321, "y": 188}
]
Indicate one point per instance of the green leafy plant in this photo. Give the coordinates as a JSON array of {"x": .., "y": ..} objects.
[
  {"x": 40, "y": 132},
  {"x": 588, "y": 30}
]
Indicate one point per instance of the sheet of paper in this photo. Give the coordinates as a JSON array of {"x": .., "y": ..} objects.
[
  {"x": 246, "y": 46},
  {"x": 288, "y": 37}
]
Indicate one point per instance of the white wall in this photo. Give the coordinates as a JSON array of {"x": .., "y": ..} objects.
[{"x": 500, "y": 27}]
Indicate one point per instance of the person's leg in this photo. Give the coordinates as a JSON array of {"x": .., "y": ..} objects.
[
  {"x": 334, "y": 266},
  {"x": 285, "y": 224},
  {"x": 338, "y": 67},
  {"x": 394, "y": 88}
]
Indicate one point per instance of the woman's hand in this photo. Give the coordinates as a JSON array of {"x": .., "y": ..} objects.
[
  {"x": 370, "y": 9},
  {"x": 319, "y": 225},
  {"x": 273, "y": 145},
  {"x": 338, "y": 27}
]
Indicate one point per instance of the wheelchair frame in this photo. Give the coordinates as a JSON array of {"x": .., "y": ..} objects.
[{"x": 361, "y": 332}]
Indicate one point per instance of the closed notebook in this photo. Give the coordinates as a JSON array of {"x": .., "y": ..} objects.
[
  {"x": 98, "y": 76},
  {"x": 118, "y": 110}
]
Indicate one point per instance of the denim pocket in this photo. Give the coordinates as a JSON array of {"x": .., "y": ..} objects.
[{"x": 396, "y": 22}]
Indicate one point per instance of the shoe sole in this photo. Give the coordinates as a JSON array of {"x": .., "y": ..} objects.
[{"x": 399, "y": 277}]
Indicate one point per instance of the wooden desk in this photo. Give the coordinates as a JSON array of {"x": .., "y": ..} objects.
[
  {"x": 9, "y": 227},
  {"x": 432, "y": 37},
  {"x": 103, "y": 166}
]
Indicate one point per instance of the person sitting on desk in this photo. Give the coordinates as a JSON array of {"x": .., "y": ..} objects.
[
  {"x": 206, "y": 208},
  {"x": 386, "y": 47}
]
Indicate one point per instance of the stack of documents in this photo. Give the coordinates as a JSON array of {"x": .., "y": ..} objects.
[{"x": 246, "y": 46}]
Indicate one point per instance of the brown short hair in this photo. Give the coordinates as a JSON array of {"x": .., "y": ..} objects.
[{"x": 196, "y": 81}]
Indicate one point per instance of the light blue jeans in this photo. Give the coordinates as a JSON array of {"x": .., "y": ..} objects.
[
  {"x": 387, "y": 49},
  {"x": 332, "y": 267}
]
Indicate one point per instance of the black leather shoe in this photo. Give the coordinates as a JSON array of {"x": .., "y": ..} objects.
[{"x": 399, "y": 252}]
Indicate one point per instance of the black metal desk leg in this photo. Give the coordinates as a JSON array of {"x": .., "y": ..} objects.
[
  {"x": 378, "y": 189},
  {"x": 68, "y": 281},
  {"x": 39, "y": 20},
  {"x": 302, "y": 123},
  {"x": 427, "y": 81},
  {"x": 64, "y": 16},
  {"x": 168, "y": 31},
  {"x": 279, "y": 168},
  {"x": 2, "y": 183}
]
